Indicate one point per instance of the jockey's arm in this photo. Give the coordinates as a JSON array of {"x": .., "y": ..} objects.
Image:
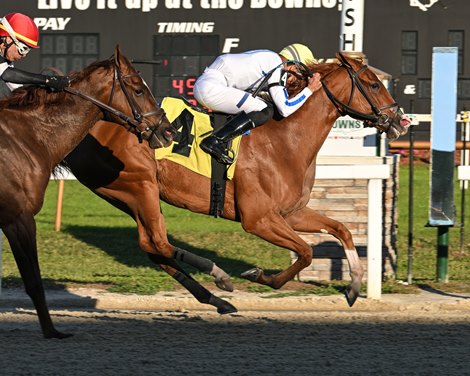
[
  {"x": 287, "y": 106},
  {"x": 18, "y": 76}
]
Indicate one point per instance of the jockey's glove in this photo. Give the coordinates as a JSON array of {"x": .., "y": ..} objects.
[{"x": 57, "y": 83}]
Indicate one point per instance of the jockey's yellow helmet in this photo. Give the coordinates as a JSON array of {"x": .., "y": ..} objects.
[{"x": 298, "y": 52}]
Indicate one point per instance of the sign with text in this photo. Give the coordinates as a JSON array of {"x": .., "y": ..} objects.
[{"x": 349, "y": 138}]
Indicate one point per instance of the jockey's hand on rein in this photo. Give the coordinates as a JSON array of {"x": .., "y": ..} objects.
[
  {"x": 314, "y": 83},
  {"x": 57, "y": 83}
]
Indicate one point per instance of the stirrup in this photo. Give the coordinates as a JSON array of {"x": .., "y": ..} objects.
[
  {"x": 215, "y": 148},
  {"x": 226, "y": 158},
  {"x": 222, "y": 155}
]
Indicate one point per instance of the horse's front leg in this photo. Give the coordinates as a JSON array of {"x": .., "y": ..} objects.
[
  {"x": 308, "y": 220},
  {"x": 273, "y": 228},
  {"x": 153, "y": 240},
  {"x": 195, "y": 288},
  {"x": 204, "y": 265},
  {"x": 22, "y": 238}
]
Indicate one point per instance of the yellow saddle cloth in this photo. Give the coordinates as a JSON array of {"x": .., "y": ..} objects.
[{"x": 185, "y": 149}]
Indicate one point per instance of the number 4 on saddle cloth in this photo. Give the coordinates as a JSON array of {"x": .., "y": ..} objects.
[{"x": 193, "y": 125}]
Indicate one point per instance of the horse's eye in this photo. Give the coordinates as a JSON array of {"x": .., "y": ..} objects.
[
  {"x": 375, "y": 86},
  {"x": 139, "y": 92}
]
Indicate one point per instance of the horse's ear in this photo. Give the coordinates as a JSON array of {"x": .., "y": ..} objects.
[{"x": 117, "y": 55}]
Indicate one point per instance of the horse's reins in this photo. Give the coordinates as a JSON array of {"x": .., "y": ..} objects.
[
  {"x": 138, "y": 116},
  {"x": 379, "y": 119}
]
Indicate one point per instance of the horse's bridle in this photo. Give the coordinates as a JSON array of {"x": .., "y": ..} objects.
[
  {"x": 378, "y": 119},
  {"x": 137, "y": 114}
]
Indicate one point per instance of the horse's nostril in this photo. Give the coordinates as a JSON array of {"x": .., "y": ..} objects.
[
  {"x": 169, "y": 134},
  {"x": 405, "y": 122}
]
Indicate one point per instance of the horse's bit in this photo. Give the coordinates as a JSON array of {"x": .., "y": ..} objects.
[
  {"x": 138, "y": 116},
  {"x": 378, "y": 119}
]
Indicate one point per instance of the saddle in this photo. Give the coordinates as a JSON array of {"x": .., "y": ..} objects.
[{"x": 193, "y": 124}]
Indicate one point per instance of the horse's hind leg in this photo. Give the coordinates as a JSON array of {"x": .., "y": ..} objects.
[
  {"x": 22, "y": 238},
  {"x": 153, "y": 240},
  {"x": 308, "y": 220},
  {"x": 199, "y": 292},
  {"x": 204, "y": 265}
]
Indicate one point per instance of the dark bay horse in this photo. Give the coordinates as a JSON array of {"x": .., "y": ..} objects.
[
  {"x": 40, "y": 128},
  {"x": 273, "y": 179}
]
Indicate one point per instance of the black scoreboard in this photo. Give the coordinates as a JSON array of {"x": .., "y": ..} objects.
[
  {"x": 182, "y": 37},
  {"x": 179, "y": 60}
]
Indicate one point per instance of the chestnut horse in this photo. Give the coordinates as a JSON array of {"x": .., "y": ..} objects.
[
  {"x": 39, "y": 128},
  {"x": 270, "y": 189}
]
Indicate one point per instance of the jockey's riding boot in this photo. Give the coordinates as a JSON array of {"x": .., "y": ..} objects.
[{"x": 214, "y": 144}]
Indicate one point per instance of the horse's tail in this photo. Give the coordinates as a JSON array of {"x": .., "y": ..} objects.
[{"x": 60, "y": 170}]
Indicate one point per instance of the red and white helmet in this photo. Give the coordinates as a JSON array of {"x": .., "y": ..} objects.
[{"x": 20, "y": 28}]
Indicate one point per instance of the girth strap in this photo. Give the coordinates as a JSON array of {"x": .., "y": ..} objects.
[{"x": 218, "y": 177}]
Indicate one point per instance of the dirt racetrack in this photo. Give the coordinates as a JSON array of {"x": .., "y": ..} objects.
[{"x": 421, "y": 341}]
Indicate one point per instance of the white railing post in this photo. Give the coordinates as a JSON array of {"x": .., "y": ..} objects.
[{"x": 374, "y": 239}]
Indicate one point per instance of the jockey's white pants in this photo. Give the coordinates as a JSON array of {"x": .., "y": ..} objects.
[{"x": 211, "y": 91}]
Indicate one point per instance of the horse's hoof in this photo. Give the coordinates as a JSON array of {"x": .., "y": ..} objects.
[
  {"x": 224, "y": 284},
  {"x": 351, "y": 296},
  {"x": 226, "y": 308},
  {"x": 252, "y": 274},
  {"x": 223, "y": 307},
  {"x": 58, "y": 335}
]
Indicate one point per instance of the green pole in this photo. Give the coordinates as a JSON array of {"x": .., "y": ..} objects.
[{"x": 442, "y": 253}]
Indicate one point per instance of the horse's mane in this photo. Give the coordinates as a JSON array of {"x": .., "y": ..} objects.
[
  {"x": 324, "y": 67},
  {"x": 35, "y": 96},
  {"x": 29, "y": 96}
]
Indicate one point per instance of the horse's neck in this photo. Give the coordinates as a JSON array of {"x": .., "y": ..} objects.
[
  {"x": 69, "y": 124},
  {"x": 308, "y": 128}
]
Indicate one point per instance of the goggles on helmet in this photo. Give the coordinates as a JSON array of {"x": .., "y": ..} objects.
[{"x": 21, "y": 47}]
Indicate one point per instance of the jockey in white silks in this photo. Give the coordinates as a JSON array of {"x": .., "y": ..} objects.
[{"x": 228, "y": 84}]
